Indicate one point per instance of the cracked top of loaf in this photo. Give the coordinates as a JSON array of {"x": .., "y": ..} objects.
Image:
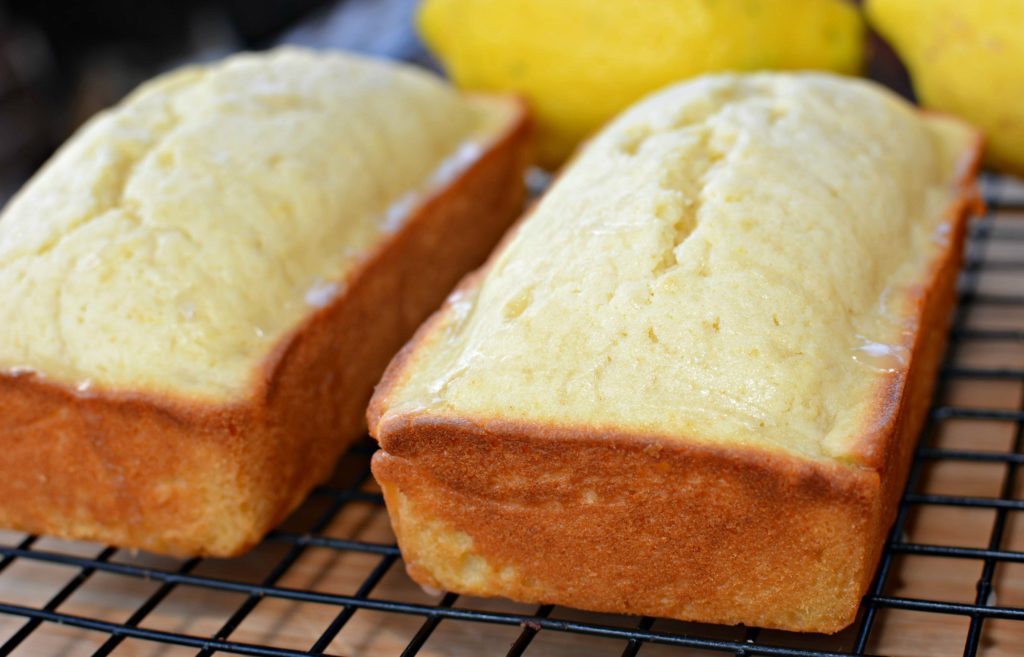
[
  {"x": 733, "y": 260},
  {"x": 177, "y": 237}
]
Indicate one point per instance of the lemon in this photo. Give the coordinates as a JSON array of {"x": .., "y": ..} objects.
[
  {"x": 580, "y": 62},
  {"x": 965, "y": 58}
]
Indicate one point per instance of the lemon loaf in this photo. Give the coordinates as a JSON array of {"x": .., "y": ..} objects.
[
  {"x": 202, "y": 286},
  {"x": 689, "y": 383}
]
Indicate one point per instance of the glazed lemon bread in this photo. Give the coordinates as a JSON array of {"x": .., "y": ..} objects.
[
  {"x": 689, "y": 383},
  {"x": 202, "y": 286}
]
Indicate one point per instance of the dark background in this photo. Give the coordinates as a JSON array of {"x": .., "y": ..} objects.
[{"x": 63, "y": 60}]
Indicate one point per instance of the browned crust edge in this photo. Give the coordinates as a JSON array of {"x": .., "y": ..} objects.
[
  {"x": 668, "y": 528},
  {"x": 181, "y": 476}
]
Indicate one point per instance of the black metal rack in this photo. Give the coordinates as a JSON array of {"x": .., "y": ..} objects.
[{"x": 379, "y": 559}]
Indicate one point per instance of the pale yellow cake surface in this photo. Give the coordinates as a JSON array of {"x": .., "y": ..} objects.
[
  {"x": 177, "y": 237},
  {"x": 727, "y": 262}
]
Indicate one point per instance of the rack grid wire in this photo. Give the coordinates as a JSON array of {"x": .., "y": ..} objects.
[{"x": 329, "y": 581}]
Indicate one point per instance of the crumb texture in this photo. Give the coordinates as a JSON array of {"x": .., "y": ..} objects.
[
  {"x": 731, "y": 261},
  {"x": 177, "y": 237}
]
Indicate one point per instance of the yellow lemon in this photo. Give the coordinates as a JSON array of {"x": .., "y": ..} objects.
[
  {"x": 965, "y": 58},
  {"x": 579, "y": 62}
]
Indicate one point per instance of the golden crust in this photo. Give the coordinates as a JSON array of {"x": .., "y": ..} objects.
[
  {"x": 633, "y": 524},
  {"x": 181, "y": 477},
  {"x": 652, "y": 525}
]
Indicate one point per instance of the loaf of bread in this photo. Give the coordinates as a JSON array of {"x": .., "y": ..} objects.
[
  {"x": 201, "y": 288},
  {"x": 689, "y": 384}
]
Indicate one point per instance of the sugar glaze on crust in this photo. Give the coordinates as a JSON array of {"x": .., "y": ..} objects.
[
  {"x": 184, "y": 477},
  {"x": 661, "y": 525}
]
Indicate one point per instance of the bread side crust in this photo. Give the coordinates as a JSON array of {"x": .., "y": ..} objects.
[
  {"x": 654, "y": 525},
  {"x": 181, "y": 477}
]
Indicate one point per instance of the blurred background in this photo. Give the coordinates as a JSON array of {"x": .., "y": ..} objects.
[{"x": 61, "y": 61}]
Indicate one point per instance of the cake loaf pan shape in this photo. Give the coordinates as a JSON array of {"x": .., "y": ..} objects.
[
  {"x": 201, "y": 288},
  {"x": 688, "y": 384}
]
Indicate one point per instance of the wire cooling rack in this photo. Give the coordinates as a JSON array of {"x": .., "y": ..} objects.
[{"x": 330, "y": 580}]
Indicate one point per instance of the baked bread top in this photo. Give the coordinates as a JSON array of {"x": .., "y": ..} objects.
[
  {"x": 735, "y": 260},
  {"x": 172, "y": 243}
]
